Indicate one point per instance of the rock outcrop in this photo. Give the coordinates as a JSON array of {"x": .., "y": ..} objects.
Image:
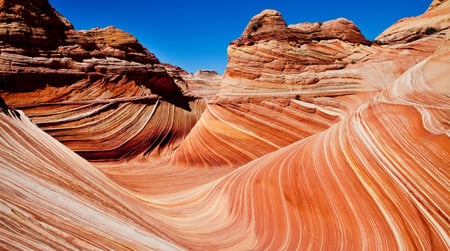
[
  {"x": 320, "y": 142},
  {"x": 30, "y": 24},
  {"x": 315, "y": 55},
  {"x": 434, "y": 21},
  {"x": 98, "y": 91},
  {"x": 269, "y": 25},
  {"x": 204, "y": 83},
  {"x": 45, "y": 49},
  {"x": 277, "y": 90}
]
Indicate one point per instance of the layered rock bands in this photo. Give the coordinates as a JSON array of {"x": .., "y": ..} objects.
[{"x": 314, "y": 139}]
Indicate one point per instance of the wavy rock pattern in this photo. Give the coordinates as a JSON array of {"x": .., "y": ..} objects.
[
  {"x": 53, "y": 199},
  {"x": 379, "y": 171},
  {"x": 277, "y": 90},
  {"x": 266, "y": 125},
  {"x": 387, "y": 176},
  {"x": 434, "y": 20},
  {"x": 110, "y": 120},
  {"x": 100, "y": 92},
  {"x": 317, "y": 139}
]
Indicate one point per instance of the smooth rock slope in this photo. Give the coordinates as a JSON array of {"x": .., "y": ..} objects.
[
  {"x": 314, "y": 139},
  {"x": 283, "y": 86}
]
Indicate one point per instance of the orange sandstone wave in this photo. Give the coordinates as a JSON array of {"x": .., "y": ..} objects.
[
  {"x": 317, "y": 140},
  {"x": 376, "y": 180}
]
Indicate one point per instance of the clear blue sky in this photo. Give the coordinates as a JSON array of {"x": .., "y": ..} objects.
[{"x": 195, "y": 34}]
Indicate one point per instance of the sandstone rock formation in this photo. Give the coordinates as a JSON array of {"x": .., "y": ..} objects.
[
  {"x": 317, "y": 139},
  {"x": 435, "y": 20},
  {"x": 53, "y": 199},
  {"x": 278, "y": 90},
  {"x": 79, "y": 87},
  {"x": 204, "y": 83},
  {"x": 28, "y": 24}
]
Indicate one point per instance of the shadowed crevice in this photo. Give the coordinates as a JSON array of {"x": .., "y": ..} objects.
[{"x": 7, "y": 110}]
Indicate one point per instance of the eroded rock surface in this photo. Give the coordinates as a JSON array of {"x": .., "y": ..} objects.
[
  {"x": 204, "y": 83},
  {"x": 98, "y": 91},
  {"x": 277, "y": 90},
  {"x": 433, "y": 21},
  {"x": 315, "y": 139}
]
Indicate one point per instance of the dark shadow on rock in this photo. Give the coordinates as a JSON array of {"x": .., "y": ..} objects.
[
  {"x": 28, "y": 82},
  {"x": 164, "y": 86},
  {"x": 7, "y": 110},
  {"x": 179, "y": 100},
  {"x": 159, "y": 83}
]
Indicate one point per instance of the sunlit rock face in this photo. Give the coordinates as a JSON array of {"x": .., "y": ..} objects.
[
  {"x": 25, "y": 22},
  {"x": 270, "y": 56},
  {"x": 285, "y": 83},
  {"x": 315, "y": 139},
  {"x": 204, "y": 83},
  {"x": 99, "y": 91},
  {"x": 52, "y": 199},
  {"x": 435, "y": 20}
]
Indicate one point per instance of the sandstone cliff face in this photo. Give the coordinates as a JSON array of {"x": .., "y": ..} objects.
[
  {"x": 272, "y": 56},
  {"x": 284, "y": 86},
  {"x": 434, "y": 21},
  {"x": 96, "y": 53},
  {"x": 28, "y": 24},
  {"x": 38, "y": 43},
  {"x": 308, "y": 56},
  {"x": 79, "y": 86},
  {"x": 321, "y": 143},
  {"x": 269, "y": 25}
]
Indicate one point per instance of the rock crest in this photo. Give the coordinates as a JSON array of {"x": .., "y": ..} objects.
[
  {"x": 39, "y": 43},
  {"x": 432, "y": 22},
  {"x": 26, "y": 23},
  {"x": 270, "y": 25}
]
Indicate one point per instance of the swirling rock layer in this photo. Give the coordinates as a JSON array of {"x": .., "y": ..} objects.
[
  {"x": 99, "y": 91},
  {"x": 111, "y": 118},
  {"x": 317, "y": 139},
  {"x": 53, "y": 199},
  {"x": 433, "y": 21},
  {"x": 278, "y": 90}
]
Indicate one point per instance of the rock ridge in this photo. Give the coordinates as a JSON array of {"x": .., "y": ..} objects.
[
  {"x": 36, "y": 23},
  {"x": 43, "y": 47},
  {"x": 98, "y": 91},
  {"x": 269, "y": 25},
  {"x": 273, "y": 57},
  {"x": 434, "y": 21}
]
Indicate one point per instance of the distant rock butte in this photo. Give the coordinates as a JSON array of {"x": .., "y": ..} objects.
[
  {"x": 204, "y": 83},
  {"x": 206, "y": 73},
  {"x": 314, "y": 138}
]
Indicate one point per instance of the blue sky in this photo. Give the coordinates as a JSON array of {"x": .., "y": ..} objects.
[{"x": 195, "y": 34}]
